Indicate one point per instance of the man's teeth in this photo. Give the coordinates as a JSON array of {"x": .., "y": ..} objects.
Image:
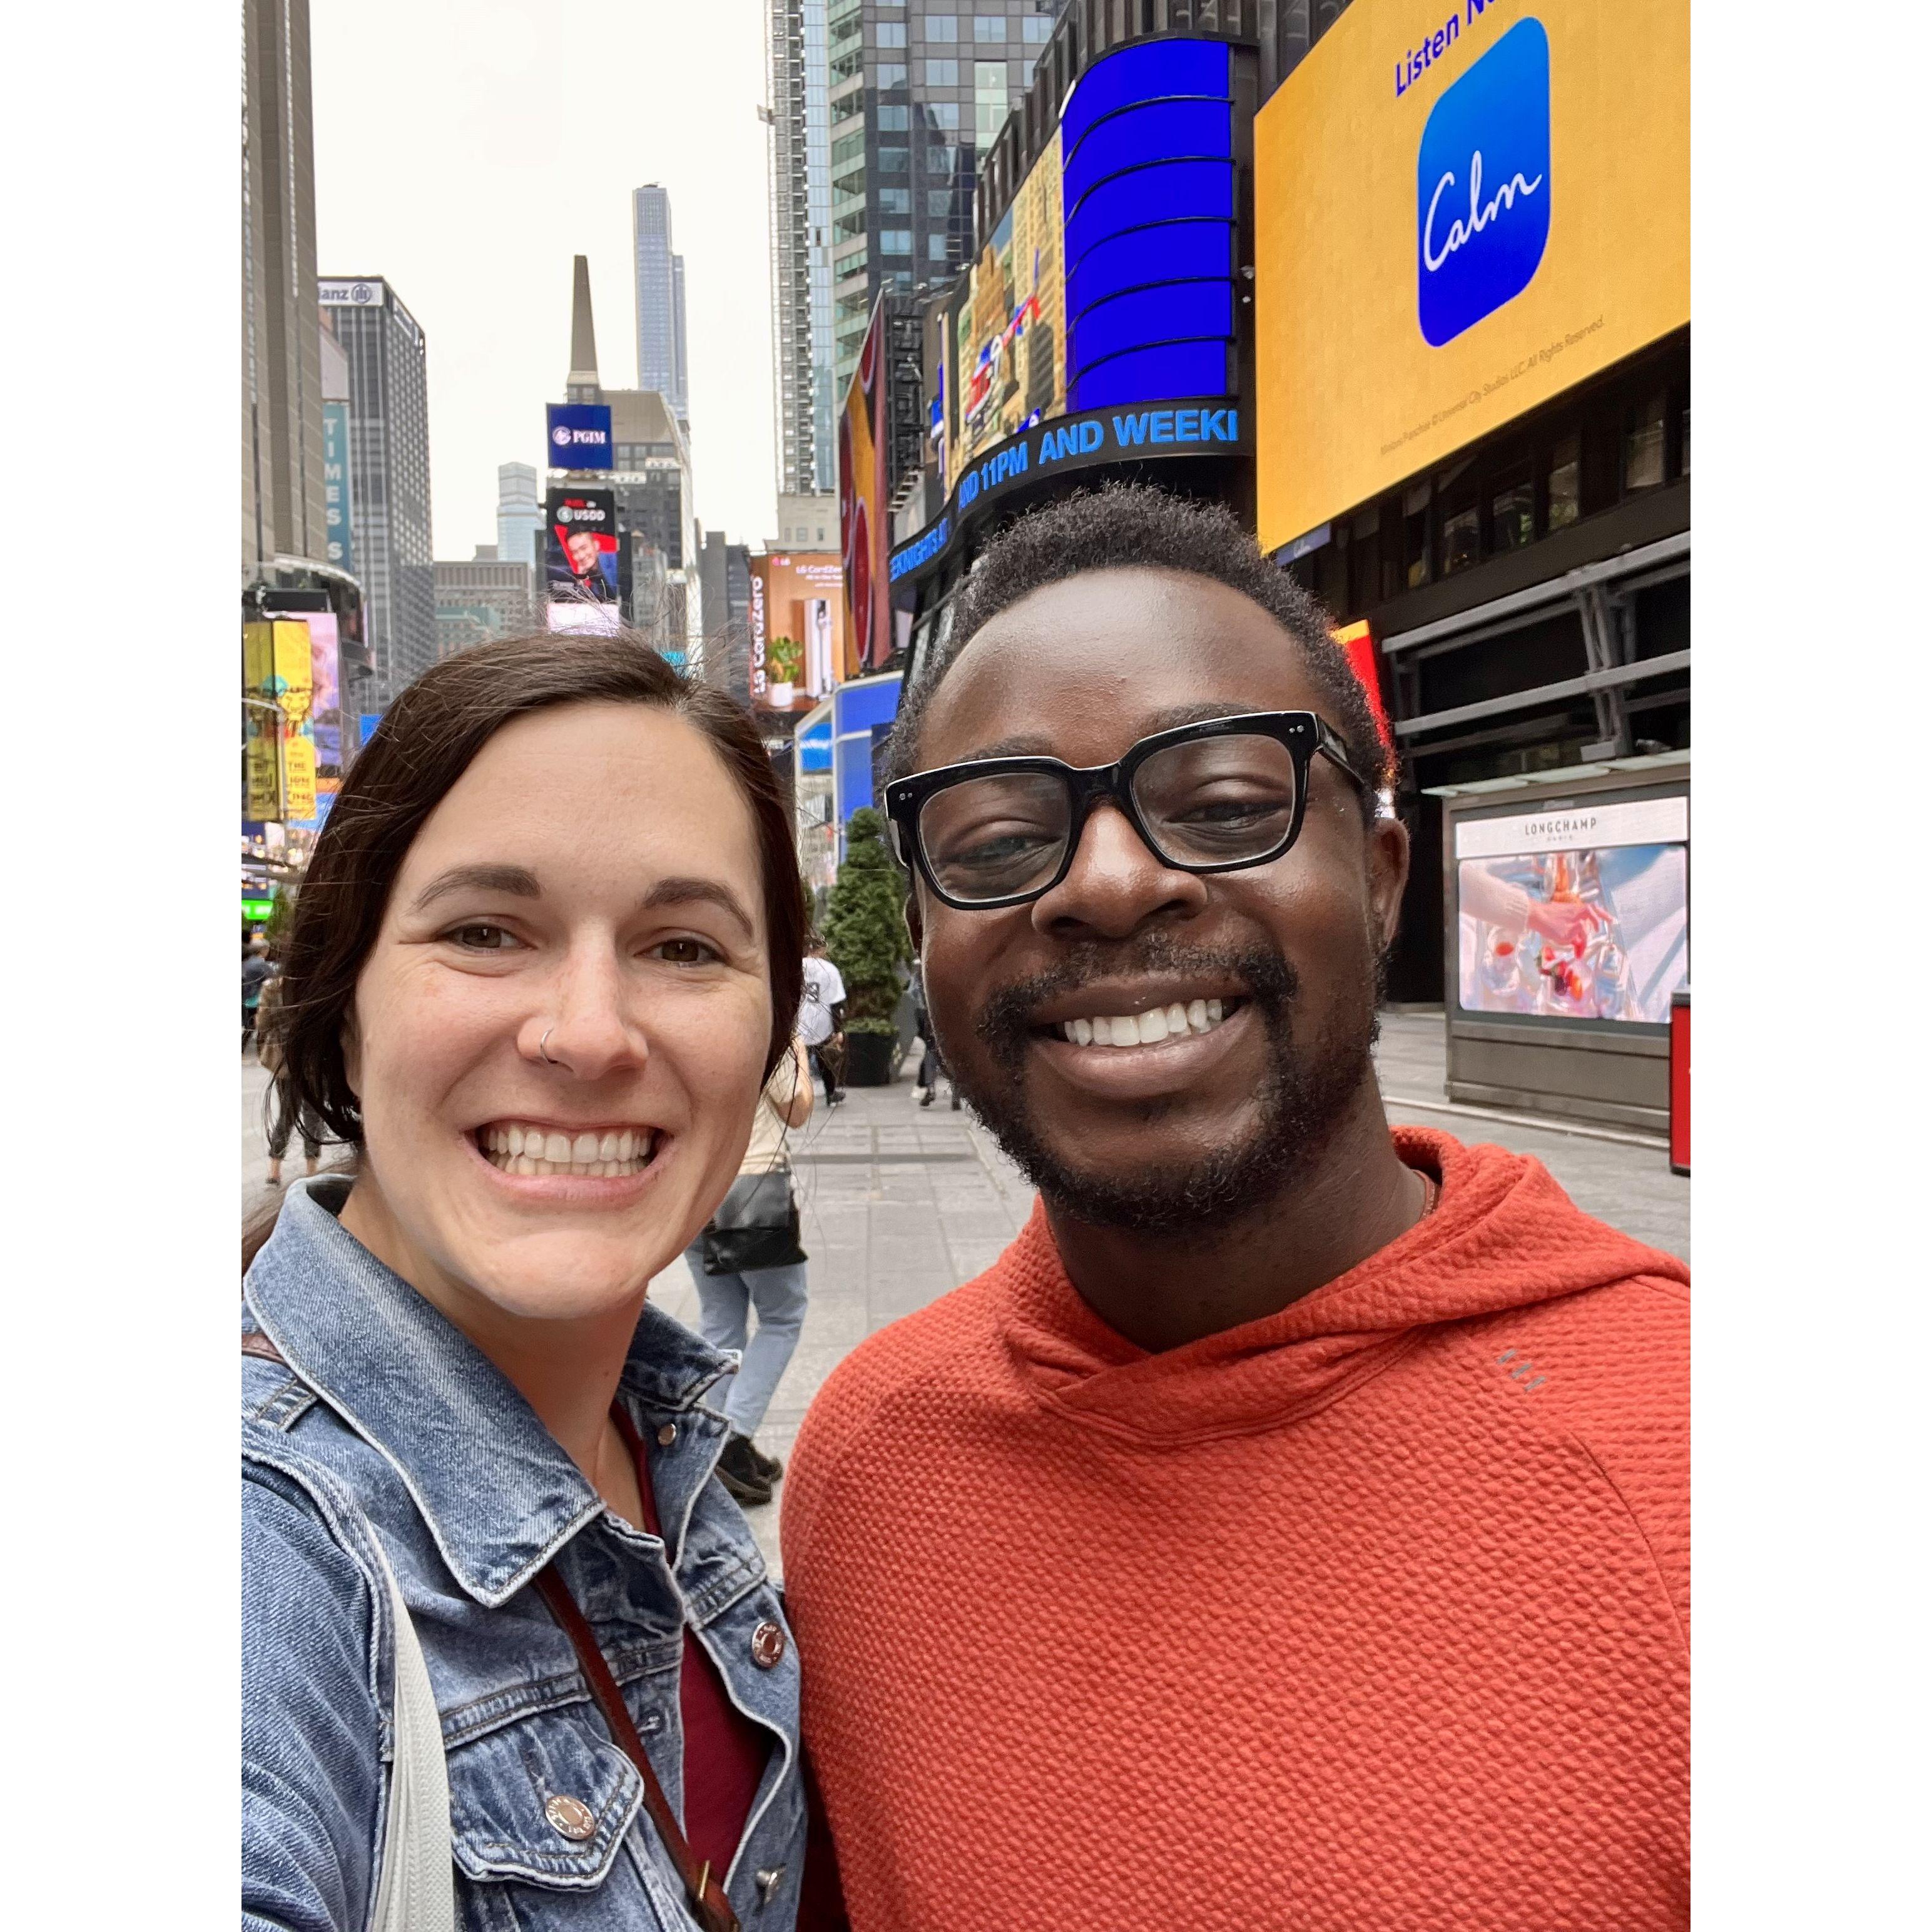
[
  {"x": 518, "y": 1149},
  {"x": 1147, "y": 1029}
]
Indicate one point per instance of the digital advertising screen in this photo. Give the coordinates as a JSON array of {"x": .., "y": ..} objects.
[
  {"x": 589, "y": 619},
  {"x": 1458, "y": 215},
  {"x": 798, "y": 629},
  {"x": 578, "y": 435},
  {"x": 864, "y": 527},
  {"x": 580, "y": 544},
  {"x": 278, "y": 760},
  {"x": 1579, "y": 914}
]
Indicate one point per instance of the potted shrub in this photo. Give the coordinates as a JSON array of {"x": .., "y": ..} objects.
[
  {"x": 866, "y": 934},
  {"x": 783, "y": 660}
]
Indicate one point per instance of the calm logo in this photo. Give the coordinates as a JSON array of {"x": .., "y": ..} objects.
[{"x": 1482, "y": 186}]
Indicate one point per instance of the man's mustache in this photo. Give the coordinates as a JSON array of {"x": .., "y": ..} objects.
[{"x": 1005, "y": 1020}]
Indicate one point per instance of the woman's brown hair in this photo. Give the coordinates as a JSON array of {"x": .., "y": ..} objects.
[{"x": 424, "y": 744}]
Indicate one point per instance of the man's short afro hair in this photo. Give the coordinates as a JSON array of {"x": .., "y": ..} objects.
[{"x": 1134, "y": 526}]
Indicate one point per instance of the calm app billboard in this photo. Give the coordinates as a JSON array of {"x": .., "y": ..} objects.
[
  {"x": 1460, "y": 212},
  {"x": 1482, "y": 188}
]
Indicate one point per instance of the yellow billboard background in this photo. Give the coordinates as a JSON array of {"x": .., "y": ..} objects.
[
  {"x": 1350, "y": 399},
  {"x": 279, "y": 762}
]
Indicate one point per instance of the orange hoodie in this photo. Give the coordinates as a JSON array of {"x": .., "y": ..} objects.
[{"x": 1366, "y": 1617}]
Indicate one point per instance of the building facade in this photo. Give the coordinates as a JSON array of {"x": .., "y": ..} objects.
[
  {"x": 659, "y": 277},
  {"x": 489, "y": 596},
  {"x": 918, "y": 91},
  {"x": 796, "y": 82},
  {"x": 388, "y": 477},
  {"x": 519, "y": 514},
  {"x": 725, "y": 573},
  {"x": 807, "y": 522},
  {"x": 283, "y": 508}
]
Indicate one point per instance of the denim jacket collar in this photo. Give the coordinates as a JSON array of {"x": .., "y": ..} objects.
[{"x": 422, "y": 1394}]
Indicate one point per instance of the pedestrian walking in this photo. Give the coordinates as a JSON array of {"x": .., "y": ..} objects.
[
  {"x": 748, "y": 1262},
  {"x": 257, "y": 972},
  {"x": 821, "y": 1013},
  {"x": 1321, "y": 1485},
  {"x": 932, "y": 1067},
  {"x": 483, "y": 1557},
  {"x": 269, "y": 1017}
]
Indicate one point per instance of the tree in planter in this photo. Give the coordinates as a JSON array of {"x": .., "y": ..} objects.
[{"x": 865, "y": 930}]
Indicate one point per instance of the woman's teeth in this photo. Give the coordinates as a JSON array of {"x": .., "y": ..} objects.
[
  {"x": 521, "y": 1150},
  {"x": 1148, "y": 1029}
]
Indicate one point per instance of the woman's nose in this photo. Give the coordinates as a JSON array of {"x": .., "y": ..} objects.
[{"x": 589, "y": 1024}]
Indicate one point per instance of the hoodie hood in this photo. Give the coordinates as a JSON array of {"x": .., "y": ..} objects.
[{"x": 1504, "y": 1235}]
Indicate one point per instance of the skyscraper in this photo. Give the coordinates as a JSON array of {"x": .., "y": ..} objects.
[
  {"x": 918, "y": 91},
  {"x": 519, "y": 513},
  {"x": 282, "y": 500},
  {"x": 797, "y": 81},
  {"x": 660, "y": 280},
  {"x": 389, "y": 467}
]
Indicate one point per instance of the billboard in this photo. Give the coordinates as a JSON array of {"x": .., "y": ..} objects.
[
  {"x": 1579, "y": 913},
  {"x": 337, "y": 508},
  {"x": 864, "y": 529},
  {"x": 580, "y": 562},
  {"x": 325, "y": 726},
  {"x": 278, "y": 754},
  {"x": 592, "y": 620},
  {"x": 578, "y": 435},
  {"x": 1456, "y": 220},
  {"x": 1009, "y": 356},
  {"x": 797, "y": 623}
]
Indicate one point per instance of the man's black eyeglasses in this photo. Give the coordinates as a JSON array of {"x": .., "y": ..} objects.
[{"x": 1212, "y": 797}]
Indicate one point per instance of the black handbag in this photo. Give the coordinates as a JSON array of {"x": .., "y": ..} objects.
[{"x": 756, "y": 1226}]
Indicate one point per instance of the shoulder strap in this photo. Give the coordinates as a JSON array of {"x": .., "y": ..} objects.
[
  {"x": 416, "y": 1891},
  {"x": 711, "y": 1908}
]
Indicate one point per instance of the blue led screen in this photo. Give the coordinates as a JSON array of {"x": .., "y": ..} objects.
[
  {"x": 1166, "y": 369},
  {"x": 1160, "y": 130},
  {"x": 1168, "y": 252},
  {"x": 1152, "y": 70},
  {"x": 1147, "y": 192}
]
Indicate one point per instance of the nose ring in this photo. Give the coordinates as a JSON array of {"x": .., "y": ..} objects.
[{"x": 543, "y": 1048}]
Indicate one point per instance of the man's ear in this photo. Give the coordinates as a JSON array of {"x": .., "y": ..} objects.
[{"x": 1388, "y": 873}]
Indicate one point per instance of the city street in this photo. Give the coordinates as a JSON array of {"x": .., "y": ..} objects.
[{"x": 901, "y": 1203}]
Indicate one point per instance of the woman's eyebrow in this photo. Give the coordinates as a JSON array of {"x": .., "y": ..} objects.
[
  {"x": 512, "y": 879},
  {"x": 680, "y": 891}
]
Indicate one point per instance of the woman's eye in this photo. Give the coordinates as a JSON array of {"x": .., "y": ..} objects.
[
  {"x": 480, "y": 938},
  {"x": 685, "y": 951}
]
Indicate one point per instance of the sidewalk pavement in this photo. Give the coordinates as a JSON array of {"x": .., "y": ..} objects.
[{"x": 901, "y": 1203}]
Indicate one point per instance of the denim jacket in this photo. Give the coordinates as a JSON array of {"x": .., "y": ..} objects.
[{"x": 388, "y": 1418}]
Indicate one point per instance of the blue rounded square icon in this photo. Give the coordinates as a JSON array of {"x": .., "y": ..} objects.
[{"x": 1482, "y": 187}]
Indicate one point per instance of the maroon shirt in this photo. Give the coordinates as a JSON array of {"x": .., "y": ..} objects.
[{"x": 725, "y": 1752}]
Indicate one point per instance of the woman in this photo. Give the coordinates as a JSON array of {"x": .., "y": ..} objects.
[
  {"x": 269, "y": 1052},
  {"x": 545, "y": 959},
  {"x": 726, "y": 1295}
]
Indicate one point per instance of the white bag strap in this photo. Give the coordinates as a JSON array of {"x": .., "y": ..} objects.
[{"x": 416, "y": 1891}]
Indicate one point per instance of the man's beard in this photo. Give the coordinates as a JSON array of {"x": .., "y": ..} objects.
[{"x": 1309, "y": 1087}]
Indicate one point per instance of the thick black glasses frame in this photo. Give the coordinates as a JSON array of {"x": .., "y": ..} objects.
[{"x": 1302, "y": 733}]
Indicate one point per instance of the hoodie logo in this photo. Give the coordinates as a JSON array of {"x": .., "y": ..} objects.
[{"x": 1524, "y": 1370}]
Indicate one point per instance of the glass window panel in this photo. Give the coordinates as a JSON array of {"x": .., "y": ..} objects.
[
  {"x": 938, "y": 247},
  {"x": 1643, "y": 445},
  {"x": 989, "y": 27},
  {"x": 942, "y": 74},
  {"x": 1566, "y": 483},
  {"x": 895, "y": 242},
  {"x": 890, "y": 74},
  {"x": 1512, "y": 509},
  {"x": 1415, "y": 534},
  {"x": 942, "y": 160},
  {"x": 894, "y": 120},
  {"x": 893, "y": 161},
  {"x": 944, "y": 114},
  {"x": 938, "y": 203},
  {"x": 891, "y": 34},
  {"x": 1462, "y": 539},
  {"x": 1684, "y": 457},
  {"x": 942, "y": 26}
]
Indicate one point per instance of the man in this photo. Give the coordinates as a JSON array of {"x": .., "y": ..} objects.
[
  {"x": 257, "y": 972},
  {"x": 1289, "y": 1529},
  {"x": 821, "y": 1009}
]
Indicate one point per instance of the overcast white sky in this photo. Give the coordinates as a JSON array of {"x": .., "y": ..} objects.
[{"x": 466, "y": 149}]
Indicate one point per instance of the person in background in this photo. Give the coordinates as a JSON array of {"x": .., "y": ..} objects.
[
  {"x": 932, "y": 1067},
  {"x": 271, "y": 1016},
  {"x": 727, "y": 1299},
  {"x": 820, "y": 1010},
  {"x": 256, "y": 973}
]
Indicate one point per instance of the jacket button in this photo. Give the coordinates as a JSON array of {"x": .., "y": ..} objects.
[
  {"x": 768, "y": 1644},
  {"x": 571, "y": 1817},
  {"x": 666, "y": 1435},
  {"x": 768, "y": 1882}
]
